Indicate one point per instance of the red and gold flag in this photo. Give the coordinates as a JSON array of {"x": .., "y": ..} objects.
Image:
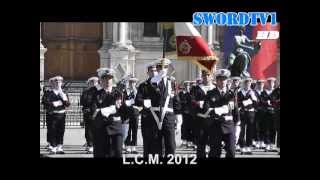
[{"x": 191, "y": 46}]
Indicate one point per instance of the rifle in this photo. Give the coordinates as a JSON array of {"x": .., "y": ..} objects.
[{"x": 236, "y": 108}]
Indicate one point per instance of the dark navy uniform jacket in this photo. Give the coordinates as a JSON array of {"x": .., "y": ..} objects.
[
  {"x": 215, "y": 100},
  {"x": 86, "y": 100},
  {"x": 103, "y": 99},
  {"x": 49, "y": 97}
]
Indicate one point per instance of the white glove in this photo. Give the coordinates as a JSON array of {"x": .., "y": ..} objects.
[
  {"x": 253, "y": 96},
  {"x": 179, "y": 120},
  {"x": 269, "y": 103},
  {"x": 156, "y": 79},
  {"x": 108, "y": 110},
  {"x": 57, "y": 103},
  {"x": 179, "y": 123},
  {"x": 231, "y": 104},
  {"x": 147, "y": 103},
  {"x": 118, "y": 103},
  {"x": 201, "y": 104},
  {"x": 129, "y": 102},
  {"x": 221, "y": 110},
  {"x": 247, "y": 102},
  {"x": 163, "y": 72},
  {"x": 63, "y": 95}
]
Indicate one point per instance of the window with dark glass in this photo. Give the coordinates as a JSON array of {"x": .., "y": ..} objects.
[{"x": 151, "y": 30}]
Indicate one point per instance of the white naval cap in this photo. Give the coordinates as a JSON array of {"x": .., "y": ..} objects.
[
  {"x": 102, "y": 72},
  {"x": 51, "y": 79},
  {"x": 223, "y": 73},
  {"x": 163, "y": 62},
  {"x": 235, "y": 78},
  {"x": 260, "y": 81},
  {"x": 247, "y": 79},
  {"x": 151, "y": 65},
  {"x": 56, "y": 78},
  {"x": 133, "y": 79},
  {"x": 271, "y": 79},
  {"x": 172, "y": 78},
  {"x": 94, "y": 78}
]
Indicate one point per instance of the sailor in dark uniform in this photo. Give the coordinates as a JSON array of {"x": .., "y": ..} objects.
[
  {"x": 133, "y": 114},
  {"x": 192, "y": 84},
  {"x": 187, "y": 134},
  {"x": 218, "y": 106},
  {"x": 56, "y": 101},
  {"x": 253, "y": 84},
  {"x": 45, "y": 92},
  {"x": 235, "y": 88},
  {"x": 229, "y": 83},
  {"x": 162, "y": 106},
  {"x": 276, "y": 103},
  {"x": 259, "y": 114},
  {"x": 201, "y": 130},
  {"x": 86, "y": 100},
  {"x": 142, "y": 102},
  {"x": 268, "y": 127},
  {"x": 108, "y": 108},
  {"x": 198, "y": 81},
  {"x": 247, "y": 101}
]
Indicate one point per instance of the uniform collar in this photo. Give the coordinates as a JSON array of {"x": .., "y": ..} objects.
[
  {"x": 224, "y": 90},
  {"x": 206, "y": 88},
  {"x": 108, "y": 90},
  {"x": 259, "y": 91},
  {"x": 244, "y": 92},
  {"x": 268, "y": 91},
  {"x": 98, "y": 87},
  {"x": 56, "y": 92}
]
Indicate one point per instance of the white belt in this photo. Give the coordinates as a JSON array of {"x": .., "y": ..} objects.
[
  {"x": 111, "y": 111},
  {"x": 138, "y": 108},
  {"x": 219, "y": 111},
  {"x": 158, "y": 109},
  {"x": 164, "y": 110},
  {"x": 250, "y": 110},
  {"x": 118, "y": 118},
  {"x": 228, "y": 118},
  {"x": 59, "y": 112},
  {"x": 202, "y": 115}
]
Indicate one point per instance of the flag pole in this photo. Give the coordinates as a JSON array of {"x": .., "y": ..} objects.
[{"x": 164, "y": 43}]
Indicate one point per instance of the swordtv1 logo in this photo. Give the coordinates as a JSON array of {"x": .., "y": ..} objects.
[{"x": 239, "y": 19}]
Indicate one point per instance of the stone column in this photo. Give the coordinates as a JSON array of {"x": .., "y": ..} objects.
[
  {"x": 104, "y": 57},
  {"x": 42, "y": 52},
  {"x": 123, "y": 29},
  {"x": 210, "y": 36},
  {"x": 121, "y": 53}
]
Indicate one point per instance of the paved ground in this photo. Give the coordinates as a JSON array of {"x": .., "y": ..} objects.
[{"x": 74, "y": 140}]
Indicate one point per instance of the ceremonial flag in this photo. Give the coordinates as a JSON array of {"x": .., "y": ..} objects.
[
  {"x": 191, "y": 46},
  {"x": 170, "y": 40}
]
